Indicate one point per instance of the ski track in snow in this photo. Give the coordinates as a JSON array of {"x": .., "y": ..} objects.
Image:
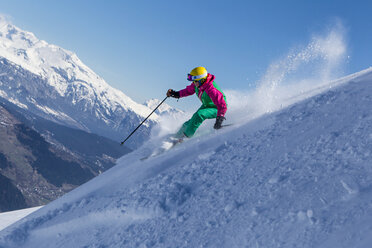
[{"x": 300, "y": 177}]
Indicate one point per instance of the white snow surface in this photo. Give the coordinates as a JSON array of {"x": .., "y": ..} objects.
[
  {"x": 297, "y": 176},
  {"x": 8, "y": 218}
]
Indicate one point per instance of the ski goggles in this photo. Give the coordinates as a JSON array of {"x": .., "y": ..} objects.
[{"x": 193, "y": 78}]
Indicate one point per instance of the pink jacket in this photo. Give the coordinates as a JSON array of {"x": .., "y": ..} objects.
[{"x": 214, "y": 98}]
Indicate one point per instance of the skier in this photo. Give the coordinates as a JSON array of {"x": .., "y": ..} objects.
[{"x": 212, "y": 98}]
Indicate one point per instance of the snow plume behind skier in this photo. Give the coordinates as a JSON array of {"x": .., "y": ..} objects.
[{"x": 213, "y": 101}]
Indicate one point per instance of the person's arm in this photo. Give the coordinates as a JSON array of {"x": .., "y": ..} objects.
[
  {"x": 218, "y": 99},
  {"x": 189, "y": 90}
]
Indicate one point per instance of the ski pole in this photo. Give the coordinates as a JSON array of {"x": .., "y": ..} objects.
[{"x": 143, "y": 121}]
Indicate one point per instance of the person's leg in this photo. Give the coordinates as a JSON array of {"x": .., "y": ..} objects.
[{"x": 189, "y": 127}]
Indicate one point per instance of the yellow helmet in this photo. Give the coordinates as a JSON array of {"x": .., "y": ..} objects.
[{"x": 197, "y": 74}]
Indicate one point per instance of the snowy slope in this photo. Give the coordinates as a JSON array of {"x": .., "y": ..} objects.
[
  {"x": 8, "y": 218},
  {"x": 55, "y": 83},
  {"x": 299, "y": 177}
]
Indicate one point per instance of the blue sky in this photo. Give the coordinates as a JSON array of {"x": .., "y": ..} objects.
[{"x": 145, "y": 47}]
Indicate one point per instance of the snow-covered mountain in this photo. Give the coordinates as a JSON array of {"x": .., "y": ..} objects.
[
  {"x": 56, "y": 84},
  {"x": 41, "y": 160},
  {"x": 298, "y": 177}
]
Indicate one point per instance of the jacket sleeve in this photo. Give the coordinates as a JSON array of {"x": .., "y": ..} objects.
[
  {"x": 218, "y": 99},
  {"x": 189, "y": 90}
]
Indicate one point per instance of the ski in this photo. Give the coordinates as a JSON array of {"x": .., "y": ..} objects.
[
  {"x": 160, "y": 151},
  {"x": 173, "y": 142},
  {"x": 227, "y": 125}
]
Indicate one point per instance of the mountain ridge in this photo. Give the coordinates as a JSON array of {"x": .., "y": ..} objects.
[{"x": 55, "y": 83}]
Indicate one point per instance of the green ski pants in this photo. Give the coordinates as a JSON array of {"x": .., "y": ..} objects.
[{"x": 190, "y": 126}]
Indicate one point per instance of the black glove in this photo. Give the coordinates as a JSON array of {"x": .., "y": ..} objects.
[
  {"x": 172, "y": 93},
  {"x": 219, "y": 121}
]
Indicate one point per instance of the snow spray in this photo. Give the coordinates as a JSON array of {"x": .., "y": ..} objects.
[{"x": 294, "y": 77}]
